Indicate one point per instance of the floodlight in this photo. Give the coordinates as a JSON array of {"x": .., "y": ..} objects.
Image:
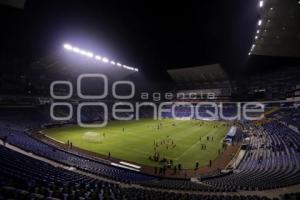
[
  {"x": 83, "y": 52},
  {"x": 256, "y": 37},
  {"x": 105, "y": 60},
  {"x": 75, "y": 49},
  {"x": 257, "y": 31},
  {"x": 259, "y": 22},
  {"x": 68, "y": 46},
  {"x": 125, "y": 66},
  {"x": 90, "y": 54},
  {"x": 98, "y": 57},
  {"x": 261, "y": 4}
]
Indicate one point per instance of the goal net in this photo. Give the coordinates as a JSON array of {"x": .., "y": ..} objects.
[{"x": 92, "y": 137}]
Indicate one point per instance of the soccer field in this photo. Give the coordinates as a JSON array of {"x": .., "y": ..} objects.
[{"x": 135, "y": 141}]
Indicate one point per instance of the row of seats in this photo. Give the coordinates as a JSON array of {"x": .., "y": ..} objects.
[
  {"x": 272, "y": 160},
  {"x": 28, "y": 143},
  {"x": 22, "y": 177}
]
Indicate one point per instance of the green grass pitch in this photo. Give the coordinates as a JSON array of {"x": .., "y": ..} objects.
[{"x": 178, "y": 140}]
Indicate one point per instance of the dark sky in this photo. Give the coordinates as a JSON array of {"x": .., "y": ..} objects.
[{"x": 150, "y": 35}]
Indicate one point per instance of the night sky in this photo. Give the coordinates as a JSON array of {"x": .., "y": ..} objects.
[{"x": 150, "y": 35}]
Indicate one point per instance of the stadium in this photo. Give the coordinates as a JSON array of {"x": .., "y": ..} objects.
[{"x": 136, "y": 100}]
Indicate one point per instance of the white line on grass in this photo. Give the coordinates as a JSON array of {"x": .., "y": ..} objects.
[{"x": 189, "y": 148}]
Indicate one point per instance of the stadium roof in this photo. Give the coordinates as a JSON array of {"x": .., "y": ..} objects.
[
  {"x": 278, "y": 30},
  {"x": 14, "y": 3},
  {"x": 201, "y": 74}
]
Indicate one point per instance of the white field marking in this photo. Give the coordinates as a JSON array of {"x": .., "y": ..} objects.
[
  {"x": 116, "y": 132},
  {"x": 134, "y": 131},
  {"x": 130, "y": 133},
  {"x": 211, "y": 132},
  {"x": 115, "y": 142},
  {"x": 111, "y": 136},
  {"x": 61, "y": 142}
]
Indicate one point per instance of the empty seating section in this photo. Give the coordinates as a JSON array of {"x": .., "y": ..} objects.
[
  {"x": 24, "y": 141},
  {"x": 180, "y": 185},
  {"x": 291, "y": 116},
  {"x": 272, "y": 160},
  {"x": 23, "y": 177}
]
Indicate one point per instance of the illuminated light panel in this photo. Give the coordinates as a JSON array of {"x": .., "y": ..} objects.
[
  {"x": 97, "y": 57},
  {"x": 259, "y": 22},
  {"x": 83, "y": 52},
  {"x": 128, "y": 67},
  {"x": 261, "y": 4},
  {"x": 76, "y": 50},
  {"x": 105, "y": 60},
  {"x": 68, "y": 46},
  {"x": 90, "y": 54}
]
